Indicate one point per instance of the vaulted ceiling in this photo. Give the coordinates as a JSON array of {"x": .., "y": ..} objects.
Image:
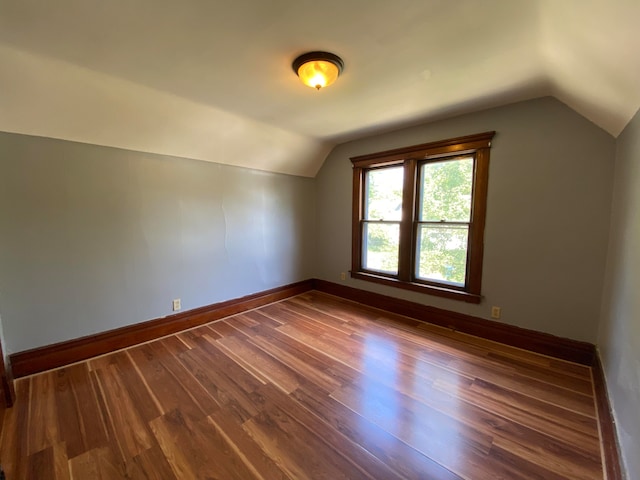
[{"x": 212, "y": 80}]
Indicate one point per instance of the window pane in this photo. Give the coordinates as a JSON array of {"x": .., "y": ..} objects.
[
  {"x": 442, "y": 253},
  {"x": 446, "y": 190},
  {"x": 384, "y": 194},
  {"x": 380, "y": 247}
]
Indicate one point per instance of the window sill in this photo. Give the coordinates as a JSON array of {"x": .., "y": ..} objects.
[{"x": 419, "y": 287}]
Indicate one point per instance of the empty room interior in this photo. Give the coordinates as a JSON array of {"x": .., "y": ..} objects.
[{"x": 347, "y": 239}]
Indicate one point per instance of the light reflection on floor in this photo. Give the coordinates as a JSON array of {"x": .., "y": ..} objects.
[
  {"x": 378, "y": 375},
  {"x": 406, "y": 415}
]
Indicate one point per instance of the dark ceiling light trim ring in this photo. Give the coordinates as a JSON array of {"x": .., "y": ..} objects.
[
  {"x": 311, "y": 56},
  {"x": 318, "y": 69}
]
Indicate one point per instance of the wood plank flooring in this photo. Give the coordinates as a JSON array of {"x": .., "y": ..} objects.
[{"x": 311, "y": 387}]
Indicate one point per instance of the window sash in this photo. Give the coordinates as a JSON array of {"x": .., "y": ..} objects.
[
  {"x": 370, "y": 266},
  {"x": 422, "y": 167},
  {"x": 422, "y": 227}
]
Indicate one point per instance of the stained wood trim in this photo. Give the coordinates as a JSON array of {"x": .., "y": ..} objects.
[
  {"x": 418, "y": 287},
  {"x": 411, "y": 158},
  {"x": 356, "y": 219},
  {"x": 407, "y": 226},
  {"x": 608, "y": 437},
  {"x": 6, "y": 382},
  {"x": 557, "y": 347},
  {"x": 426, "y": 150},
  {"x": 59, "y": 354},
  {"x": 56, "y": 355},
  {"x": 478, "y": 216}
]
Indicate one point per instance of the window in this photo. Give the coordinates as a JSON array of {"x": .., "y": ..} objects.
[{"x": 418, "y": 216}]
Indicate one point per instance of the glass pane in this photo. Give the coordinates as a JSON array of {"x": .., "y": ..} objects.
[
  {"x": 446, "y": 190},
  {"x": 384, "y": 194},
  {"x": 380, "y": 247},
  {"x": 442, "y": 253}
]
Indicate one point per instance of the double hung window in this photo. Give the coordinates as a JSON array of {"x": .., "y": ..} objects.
[{"x": 419, "y": 214}]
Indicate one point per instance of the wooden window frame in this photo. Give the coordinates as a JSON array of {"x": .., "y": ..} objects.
[{"x": 411, "y": 158}]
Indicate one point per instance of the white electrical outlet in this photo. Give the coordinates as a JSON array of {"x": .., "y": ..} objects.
[
  {"x": 496, "y": 312},
  {"x": 176, "y": 305},
  {"x": 343, "y": 275}
]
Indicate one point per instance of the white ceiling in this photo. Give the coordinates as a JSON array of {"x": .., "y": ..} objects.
[{"x": 212, "y": 80}]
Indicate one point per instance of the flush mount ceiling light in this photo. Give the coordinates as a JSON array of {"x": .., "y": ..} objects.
[{"x": 318, "y": 69}]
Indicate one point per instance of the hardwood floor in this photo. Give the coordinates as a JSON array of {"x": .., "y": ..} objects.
[{"x": 310, "y": 387}]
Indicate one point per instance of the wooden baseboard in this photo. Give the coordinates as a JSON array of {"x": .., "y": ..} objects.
[
  {"x": 63, "y": 353},
  {"x": 8, "y": 390},
  {"x": 6, "y": 382},
  {"x": 52, "y": 356},
  {"x": 557, "y": 347},
  {"x": 608, "y": 438}
]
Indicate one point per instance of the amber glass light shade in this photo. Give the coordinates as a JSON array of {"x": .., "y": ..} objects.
[{"x": 318, "y": 69}]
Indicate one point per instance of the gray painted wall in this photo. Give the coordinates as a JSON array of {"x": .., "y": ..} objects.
[
  {"x": 95, "y": 238},
  {"x": 619, "y": 338},
  {"x": 548, "y": 215}
]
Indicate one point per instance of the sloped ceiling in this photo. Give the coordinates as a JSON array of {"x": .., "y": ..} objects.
[{"x": 212, "y": 80}]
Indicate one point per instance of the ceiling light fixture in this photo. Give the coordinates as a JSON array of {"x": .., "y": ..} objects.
[{"x": 318, "y": 69}]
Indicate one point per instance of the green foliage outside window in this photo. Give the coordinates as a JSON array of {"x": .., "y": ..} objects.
[
  {"x": 446, "y": 189},
  {"x": 383, "y": 202},
  {"x": 443, "y": 254}
]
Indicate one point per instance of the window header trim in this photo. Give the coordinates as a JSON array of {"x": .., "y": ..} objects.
[{"x": 465, "y": 144}]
